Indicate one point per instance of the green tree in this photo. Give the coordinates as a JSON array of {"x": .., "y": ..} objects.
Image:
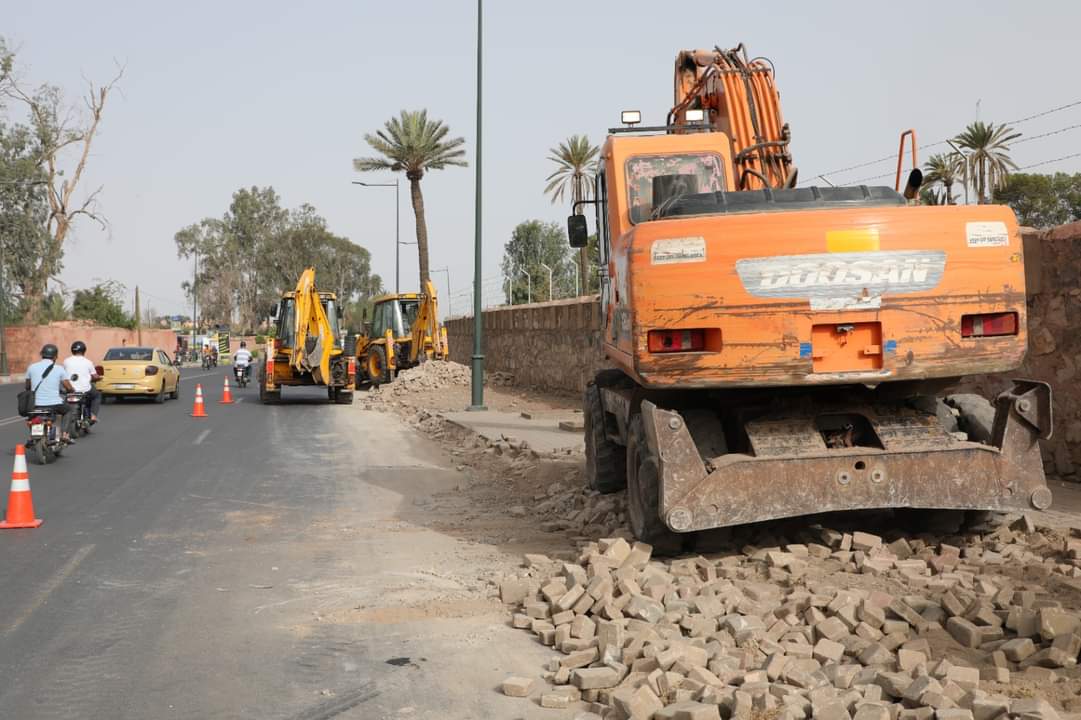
[
  {"x": 62, "y": 136},
  {"x": 943, "y": 169},
  {"x": 576, "y": 166},
  {"x": 413, "y": 144},
  {"x": 986, "y": 151},
  {"x": 1042, "y": 200},
  {"x": 55, "y": 309},
  {"x": 101, "y": 304},
  {"x": 532, "y": 245}
]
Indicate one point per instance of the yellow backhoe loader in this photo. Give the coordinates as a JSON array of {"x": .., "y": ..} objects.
[
  {"x": 403, "y": 333},
  {"x": 307, "y": 348}
]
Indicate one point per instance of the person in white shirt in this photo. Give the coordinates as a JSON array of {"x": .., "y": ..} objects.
[
  {"x": 78, "y": 364},
  {"x": 242, "y": 357}
]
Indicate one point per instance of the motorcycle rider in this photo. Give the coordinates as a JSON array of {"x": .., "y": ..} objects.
[
  {"x": 48, "y": 387},
  {"x": 79, "y": 364},
  {"x": 242, "y": 358}
]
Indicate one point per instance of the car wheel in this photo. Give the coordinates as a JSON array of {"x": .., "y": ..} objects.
[
  {"x": 175, "y": 394},
  {"x": 160, "y": 397}
]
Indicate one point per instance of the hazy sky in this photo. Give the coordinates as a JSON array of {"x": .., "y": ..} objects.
[{"x": 222, "y": 95}]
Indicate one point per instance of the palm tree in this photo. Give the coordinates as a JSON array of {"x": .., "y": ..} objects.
[
  {"x": 576, "y": 165},
  {"x": 413, "y": 144},
  {"x": 987, "y": 162},
  {"x": 945, "y": 168}
]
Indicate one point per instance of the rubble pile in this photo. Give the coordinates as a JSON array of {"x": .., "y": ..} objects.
[
  {"x": 436, "y": 375},
  {"x": 827, "y": 624}
]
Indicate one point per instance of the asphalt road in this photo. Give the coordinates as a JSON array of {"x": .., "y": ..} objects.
[{"x": 267, "y": 562}]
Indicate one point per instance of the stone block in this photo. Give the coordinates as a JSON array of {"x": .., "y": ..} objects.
[{"x": 517, "y": 686}]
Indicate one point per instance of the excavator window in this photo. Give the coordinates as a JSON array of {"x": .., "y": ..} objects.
[
  {"x": 331, "y": 309},
  {"x": 601, "y": 195},
  {"x": 410, "y": 308},
  {"x": 707, "y": 169},
  {"x": 286, "y": 330}
]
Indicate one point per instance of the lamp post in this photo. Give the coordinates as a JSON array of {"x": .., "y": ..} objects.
[
  {"x": 447, "y": 271},
  {"x": 397, "y": 231},
  {"x": 549, "y": 269},
  {"x": 477, "y": 382}
]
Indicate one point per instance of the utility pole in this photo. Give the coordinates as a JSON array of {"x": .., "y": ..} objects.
[
  {"x": 138, "y": 319},
  {"x": 478, "y": 317},
  {"x": 447, "y": 271},
  {"x": 194, "y": 302},
  {"x": 397, "y": 231}
]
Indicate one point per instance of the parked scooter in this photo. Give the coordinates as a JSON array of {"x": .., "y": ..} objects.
[
  {"x": 45, "y": 443},
  {"x": 242, "y": 373}
]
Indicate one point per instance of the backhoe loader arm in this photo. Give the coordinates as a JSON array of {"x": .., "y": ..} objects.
[
  {"x": 314, "y": 334},
  {"x": 426, "y": 334}
]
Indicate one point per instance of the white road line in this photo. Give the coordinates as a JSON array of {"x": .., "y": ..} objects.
[
  {"x": 8, "y": 421},
  {"x": 192, "y": 377},
  {"x": 202, "y": 436},
  {"x": 53, "y": 584},
  {"x": 238, "y": 400}
]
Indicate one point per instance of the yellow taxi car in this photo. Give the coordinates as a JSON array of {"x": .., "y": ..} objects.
[{"x": 139, "y": 371}]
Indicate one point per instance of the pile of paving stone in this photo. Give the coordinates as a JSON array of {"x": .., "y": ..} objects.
[{"x": 834, "y": 625}]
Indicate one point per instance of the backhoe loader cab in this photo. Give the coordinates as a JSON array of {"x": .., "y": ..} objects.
[
  {"x": 781, "y": 350},
  {"x": 307, "y": 345},
  {"x": 404, "y": 331}
]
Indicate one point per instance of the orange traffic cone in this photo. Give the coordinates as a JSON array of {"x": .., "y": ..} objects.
[
  {"x": 227, "y": 395},
  {"x": 199, "y": 410},
  {"x": 20, "y": 503}
]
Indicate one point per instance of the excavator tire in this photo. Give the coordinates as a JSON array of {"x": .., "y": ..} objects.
[
  {"x": 643, "y": 493},
  {"x": 976, "y": 418},
  {"x": 606, "y": 462},
  {"x": 377, "y": 366},
  {"x": 344, "y": 397}
]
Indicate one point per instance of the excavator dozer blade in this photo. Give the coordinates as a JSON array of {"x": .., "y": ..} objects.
[{"x": 919, "y": 465}]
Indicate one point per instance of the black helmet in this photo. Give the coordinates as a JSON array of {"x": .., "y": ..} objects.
[
  {"x": 78, "y": 347},
  {"x": 49, "y": 352},
  {"x": 243, "y": 343}
]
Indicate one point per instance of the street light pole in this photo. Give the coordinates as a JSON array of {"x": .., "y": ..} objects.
[
  {"x": 549, "y": 269},
  {"x": 447, "y": 271},
  {"x": 397, "y": 230},
  {"x": 478, "y": 318}
]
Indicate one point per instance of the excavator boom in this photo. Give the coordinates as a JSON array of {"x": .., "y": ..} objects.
[{"x": 315, "y": 337}]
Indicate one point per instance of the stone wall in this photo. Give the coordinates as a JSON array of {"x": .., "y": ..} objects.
[
  {"x": 23, "y": 342},
  {"x": 552, "y": 346},
  {"x": 1053, "y": 282},
  {"x": 555, "y": 346}
]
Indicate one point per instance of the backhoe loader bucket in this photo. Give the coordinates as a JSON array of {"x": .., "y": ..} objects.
[{"x": 913, "y": 463}]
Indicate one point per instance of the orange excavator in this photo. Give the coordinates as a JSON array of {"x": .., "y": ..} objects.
[{"x": 779, "y": 350}]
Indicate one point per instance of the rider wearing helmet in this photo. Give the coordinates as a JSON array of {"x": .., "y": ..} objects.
[
  {"x": 48, "y": 379},
  {"x": 78, "y": 364},
  {"x": 242, "y": 357}
]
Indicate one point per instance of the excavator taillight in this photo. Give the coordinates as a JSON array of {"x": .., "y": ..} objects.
[
  {"x": 989, "y": 325},
  {"x": 666, "y": 341}
]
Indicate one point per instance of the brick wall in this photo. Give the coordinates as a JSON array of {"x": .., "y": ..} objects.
[
  {"x": 552, "y": 346},
  {"x": 23, "y": 342}
]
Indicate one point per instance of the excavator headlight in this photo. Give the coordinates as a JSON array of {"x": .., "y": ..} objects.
[
  {"x": 630, "y": 117},
  {"x": 695, "y": 116}
]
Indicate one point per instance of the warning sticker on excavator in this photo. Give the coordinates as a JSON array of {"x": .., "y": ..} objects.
[
  {"x": 678, "y": 250},
  {"x": 986, "y": 234}
]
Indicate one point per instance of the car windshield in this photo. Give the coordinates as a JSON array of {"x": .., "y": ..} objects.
[
  {"x": 130, "y": 353},
  {"x": 707, "y": 168}
]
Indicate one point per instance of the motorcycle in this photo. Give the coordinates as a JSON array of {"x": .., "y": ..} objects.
[
  {"x": 45, "y": 443},
  {"x": 242, "y": 373},
  {"x": 80, "y": 409},
  {"x": 207, "y": 360}
]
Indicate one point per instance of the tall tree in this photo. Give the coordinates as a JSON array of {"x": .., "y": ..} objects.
[
  {"x": 1042, "y": 201},
  {"x": 987, "y": 161},
  {"x": 102, "y": 304},
  {"x": 413, "y": 144},
  {"x": 532, "y": 245},
  {"x": 576, "y": 166},
  {"x": 944, "y": 169},
  {"x": 62, "y": 138}
]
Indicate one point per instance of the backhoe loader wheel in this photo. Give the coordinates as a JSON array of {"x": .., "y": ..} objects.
[
  {"x": 606, "y": 462},
  {"x": 643, "y": 493},
  {"x": 344, "y": 397},
  {"x": 378, "y": 368}
]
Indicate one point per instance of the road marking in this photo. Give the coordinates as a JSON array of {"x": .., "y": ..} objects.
[
  {"x": 53, "y": 584},
  {"x": 8, "y": 421},
  {"x": 202, "y": 436},
  {"x": 192, "y": 377},
  {"x": 238, "y": 400}
]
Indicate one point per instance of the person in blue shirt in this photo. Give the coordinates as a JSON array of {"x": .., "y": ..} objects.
[{"x": 49, "y": 387}]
